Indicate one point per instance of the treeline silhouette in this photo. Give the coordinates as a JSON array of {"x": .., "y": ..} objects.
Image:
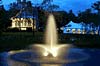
[{"x": 61, "y": 17}]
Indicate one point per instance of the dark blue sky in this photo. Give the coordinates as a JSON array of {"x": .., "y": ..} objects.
[{"x": 75, "y": 5}]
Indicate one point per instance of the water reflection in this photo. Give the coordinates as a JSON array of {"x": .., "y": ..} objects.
[
  {"x": 94, "y": 59},
  {"x": 3, "y": 59},
  {"x": 51, "y": 64}
]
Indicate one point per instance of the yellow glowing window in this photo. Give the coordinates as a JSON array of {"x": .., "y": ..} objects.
[
  {"x": 73, "y": 30},
  {"x": 79, "y": 31},
  {"x": 23, "y": 28}
]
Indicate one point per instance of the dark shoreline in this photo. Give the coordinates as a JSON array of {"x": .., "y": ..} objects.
[{"x": 21, "y": 40}]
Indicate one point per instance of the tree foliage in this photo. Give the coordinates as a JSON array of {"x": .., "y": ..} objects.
[
  {"x": 61, "y": 17},
  {"x": 96, "y": 6},
  {"x": 4, "y": 20},
  {"x": 71, "y": 16}
]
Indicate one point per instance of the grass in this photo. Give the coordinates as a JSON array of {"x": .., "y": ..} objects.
[{"x": 20, "y": 40}]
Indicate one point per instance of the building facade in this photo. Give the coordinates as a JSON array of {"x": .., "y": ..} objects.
[
  {"x": 26, "y": 18},
  {"x": 80, "y": 28},
  {"x": 23, "y": 23},
  {"x": 75, "y": 28}
]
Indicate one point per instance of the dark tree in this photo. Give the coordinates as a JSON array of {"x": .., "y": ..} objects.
[
  {"x": 42, "y": 19},
  {"x": 48, "y": 6},
  {"x": 13, "y": 10},
  {"x": 65, "y": 19},
  {"x": 71, "y": 16},
  {"x": 96, "y": 6},
  {"x": 88, "y": 18},
  {"x": 85, "y": 16},
  {"x": 4, "y": 20}
]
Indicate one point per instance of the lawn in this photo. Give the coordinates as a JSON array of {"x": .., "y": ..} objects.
[{"x": 20, "y": 40}]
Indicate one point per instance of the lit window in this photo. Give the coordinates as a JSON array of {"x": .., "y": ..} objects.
[
  {"x": 83, "y": 31},
  {"x": 21, "y": 18},
  {"x": 23, "y": 28},
  {"x": 96, "y": 32},
  {"x": 16, "y": 24},
  {"x": 73, "y": 30},
  {"x": 78, "y": 31}
]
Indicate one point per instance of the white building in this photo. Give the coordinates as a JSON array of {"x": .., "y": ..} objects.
[
  {"x": 26, "y": 18},
  {"x": 81, "y": 28},
  {"x": 76, "y": 28},
  {"x": 24, "y": 22}
]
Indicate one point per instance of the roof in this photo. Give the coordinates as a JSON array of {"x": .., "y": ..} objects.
[
  {"x": 25, "y": 14},
  {"x": 71, "y": 24}
]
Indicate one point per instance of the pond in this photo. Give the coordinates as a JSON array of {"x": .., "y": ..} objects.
[{"x": 93, "y": 58}]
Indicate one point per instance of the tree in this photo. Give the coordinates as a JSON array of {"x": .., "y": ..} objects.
[
  {"x": 65, "y": 19},
  {"x": 96, "y": 6},
  {"x": 29, "y": 6},
  {"x": 71, "y": 16},
  {"x": 4, "y": 20},
  {"x": 48, "y": 6},
  {"x": 94, "y": 18},
  {"x": 13, "y": 10},
  {"x": 88, "y": 18},
  {"x": 85, "y": 16},
  {"x": 52, "y": 7},
  {"x": 42, "y": 19}
]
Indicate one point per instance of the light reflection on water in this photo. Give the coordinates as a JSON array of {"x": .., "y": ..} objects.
[
  {"x": 51, "y": 64},
  {"x": 92, "y": 61}
]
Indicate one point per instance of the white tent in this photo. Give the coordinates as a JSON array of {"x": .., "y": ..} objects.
[{"x": 72, "y": 27}]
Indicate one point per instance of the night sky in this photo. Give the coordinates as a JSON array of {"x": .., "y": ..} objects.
[{"x": 75, "y": 5}]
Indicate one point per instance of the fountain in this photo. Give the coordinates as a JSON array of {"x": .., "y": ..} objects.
[
  {"x": 49, "y": 53},
  {"x": 51, "y": 42}
]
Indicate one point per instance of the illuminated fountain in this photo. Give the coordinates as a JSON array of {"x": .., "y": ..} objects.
[
  {"x": 49, "y": 53},
  {"x": 51, "y": 43}
]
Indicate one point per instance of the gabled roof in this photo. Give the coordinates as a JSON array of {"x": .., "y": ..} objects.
[
  {"x": 25, "y": 14},
  {"x": 71, "y": 24}
]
